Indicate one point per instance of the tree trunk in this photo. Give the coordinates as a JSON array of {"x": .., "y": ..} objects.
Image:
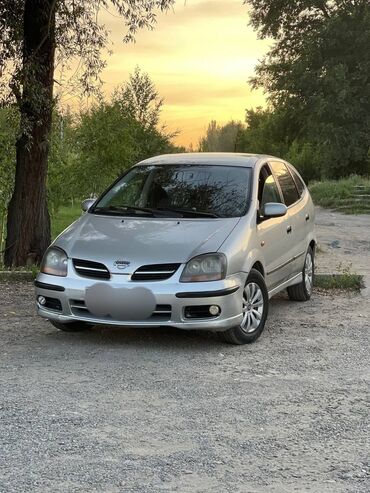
[{"x": 28, "y": 225}]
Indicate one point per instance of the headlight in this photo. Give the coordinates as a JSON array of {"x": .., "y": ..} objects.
[
  {"x": 209, "y": 267},
  {"x": 55, "y": 262}
]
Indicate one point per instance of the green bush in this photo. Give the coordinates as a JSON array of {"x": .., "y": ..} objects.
[
  {"x": 347, "y": 282},
  {"x": 306, "y": 158},
  {"x": 343, "y": 194}
]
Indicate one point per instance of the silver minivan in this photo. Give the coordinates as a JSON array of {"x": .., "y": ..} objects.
[{"x": 193, "y": 241}]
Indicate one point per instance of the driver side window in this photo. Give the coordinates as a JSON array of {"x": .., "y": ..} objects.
[{"x": 270, "y": 192}]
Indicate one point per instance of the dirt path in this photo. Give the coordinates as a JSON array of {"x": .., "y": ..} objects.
[
  {"x": 344, "y": 241},
  {"x": 146, "y": 411}
]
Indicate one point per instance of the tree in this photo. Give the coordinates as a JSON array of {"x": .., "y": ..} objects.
[
  {"x": 115, "y": 134},
  {"x": 318, "y": 73},
  {"x": 266, "y": 132},
  {"x": 34, "y": 36},
  {"x": 139, "y": 99},
  {"x": 8, "y": 130},
  {"x": 221, "y": 138},
  {"x": 63, "y": 159}
]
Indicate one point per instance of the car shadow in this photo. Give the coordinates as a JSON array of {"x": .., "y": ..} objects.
[{"x": 164, "y": 337}]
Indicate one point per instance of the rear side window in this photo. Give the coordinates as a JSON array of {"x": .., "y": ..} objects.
[
  {"x": 301, "y": 187},
  {"x": 286, "y": 183}
]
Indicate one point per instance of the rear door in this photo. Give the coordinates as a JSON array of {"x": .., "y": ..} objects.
[
  {"x": 272, "y": 232},
  {"x": 304, "y": 218},
  {"x": 295, "y": 215}
]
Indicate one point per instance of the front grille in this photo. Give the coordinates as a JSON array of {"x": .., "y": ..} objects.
[
  {"x": 155, "y": 272},
  {"x": 161, "y": 313},
  {"x": 95, "y": 270}
]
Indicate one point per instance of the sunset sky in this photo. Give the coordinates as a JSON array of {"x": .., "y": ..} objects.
[{"x": 200, "y": 57}]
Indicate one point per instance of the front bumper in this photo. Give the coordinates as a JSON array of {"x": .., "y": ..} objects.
[{"x": 71, "y": 292}]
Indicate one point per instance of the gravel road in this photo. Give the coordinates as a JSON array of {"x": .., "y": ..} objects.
[
  {"x": 118, "y": 410},
  {"x": 344, "y": 242}
]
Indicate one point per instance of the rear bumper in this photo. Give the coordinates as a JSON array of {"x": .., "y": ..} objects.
[{"x": 71, "y": 291}]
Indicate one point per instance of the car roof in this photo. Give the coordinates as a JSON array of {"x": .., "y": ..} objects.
[{"x": 214, "y": 158}]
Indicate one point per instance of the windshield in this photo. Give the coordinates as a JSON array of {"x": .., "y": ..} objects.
[{"x": 179, "y": 191}]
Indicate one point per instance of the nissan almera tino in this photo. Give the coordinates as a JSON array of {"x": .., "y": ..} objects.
[{"x": 193, "y": 241}]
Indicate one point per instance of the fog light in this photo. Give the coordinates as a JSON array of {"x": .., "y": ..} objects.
[
  {"x": 214, "y": 310},
  {"x": 41, "y": 300}
]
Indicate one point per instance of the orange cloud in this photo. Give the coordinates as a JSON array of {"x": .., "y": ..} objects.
[{"x": 200, "y": 57}]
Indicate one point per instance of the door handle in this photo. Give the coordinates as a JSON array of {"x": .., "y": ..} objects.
[
  {"x": 289, "y": 229},
  {"x": 307, "y": 217}
]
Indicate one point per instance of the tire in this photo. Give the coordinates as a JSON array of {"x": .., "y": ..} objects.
[
  {"x": 303, "y": 290},
  {"x": 70, "y": 327},
  {"x": 255, "y": 288}
]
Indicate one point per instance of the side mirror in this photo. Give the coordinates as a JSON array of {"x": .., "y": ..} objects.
[
  {"x": 274, "y": 209},
  {"x": 86, "y": 204}
]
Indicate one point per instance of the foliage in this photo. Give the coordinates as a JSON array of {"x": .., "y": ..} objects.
[
  {"x": 265, "y": 133},
  {"x": 350, "y": 195},
  {"x": 104, "y": 139},
  {"x": 35, "y": 37},
  {"x": 346, "y": 281},
  {"x": 307, "y": 158},
  {"x": 63, "y": 217},
  {"x": 110, "y": 137},
  {"x": 221, "y": 138},
  {"x": 8, "y": 125},
  {"x": 63, "y": 160},
  {"x": 80, "y": 37},
  {"x": 317, "y": 72},
  {"x": 87, "y": 151},
  {"x": 139, "y": 99}
]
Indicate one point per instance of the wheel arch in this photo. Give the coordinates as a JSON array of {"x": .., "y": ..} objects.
[
  {"x": 313, "y": 245},
  {"x": 254, "y": 260},
  {"x": 259, "y": 267}
]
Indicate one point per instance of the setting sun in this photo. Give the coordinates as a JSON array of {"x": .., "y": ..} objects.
[{"x": 200, "y": 57}]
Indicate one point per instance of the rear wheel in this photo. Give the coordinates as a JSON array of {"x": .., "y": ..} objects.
[
  {"x": 71, "y": 327},
  {"x": 303, "y": 290},
  {"x": 254, "y": 310}
]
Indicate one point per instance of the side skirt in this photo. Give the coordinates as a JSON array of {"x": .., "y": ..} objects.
[{"x": 290, "y": 282}]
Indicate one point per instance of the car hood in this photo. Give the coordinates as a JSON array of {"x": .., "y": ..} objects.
[{"x": 142, "y": 241}]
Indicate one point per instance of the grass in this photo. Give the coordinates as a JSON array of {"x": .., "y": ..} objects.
[
  {"x": 344, "y": 279},
  {"x": 63, "y": 218},
  {"x": 346, "y": 282},
  {"x": 350, "y": 195}
]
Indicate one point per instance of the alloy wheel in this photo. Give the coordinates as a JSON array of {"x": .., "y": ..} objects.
[
  {"x": 253, "y": 305},
  {"x": 308, "y": 273}
]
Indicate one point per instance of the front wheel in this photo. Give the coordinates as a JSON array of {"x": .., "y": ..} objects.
[
  {"x": 70, "y": 327},
  {"x": 254, "y": 310},
  {"x": 303, "y": 290}
]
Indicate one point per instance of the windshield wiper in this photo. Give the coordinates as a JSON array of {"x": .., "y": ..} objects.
[
  {"x": 123, "y": 208},
  {"x": 113, "y": 209},
  {"x": 192, "y": 213}
]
